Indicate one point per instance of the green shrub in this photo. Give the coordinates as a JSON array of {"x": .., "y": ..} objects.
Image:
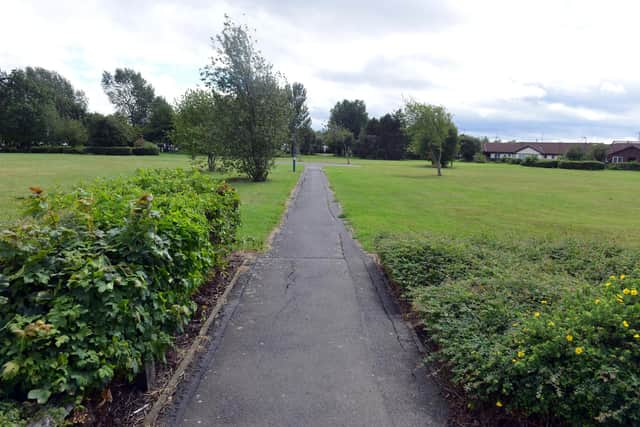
[
  {"x": 112, "y": 151},
  {"x": 479, "y": 158},
  {"x": 543, "y": 164},
  {"x": 147, "y": 149},
  {"x": 514, "y": 161},
  {"x": 625, "y": 166},
  {"x": 529, "y": 161},
  {"x": 78, "y": 149},
  {"x": 96, "y": 281},
  {"x": 584, "y": 165},
  {"x": 487, "y": 305}
]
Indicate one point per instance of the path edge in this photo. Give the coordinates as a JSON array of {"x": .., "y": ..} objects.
[
  {"x": 152, "y": 416},
  {"x": 285, "y": 213}
]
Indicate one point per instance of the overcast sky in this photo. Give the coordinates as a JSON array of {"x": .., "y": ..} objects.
[{"x": 552, "y": 69}]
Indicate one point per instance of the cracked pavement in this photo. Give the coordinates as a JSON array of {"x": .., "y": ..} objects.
[{"x": 310, "y": 337}]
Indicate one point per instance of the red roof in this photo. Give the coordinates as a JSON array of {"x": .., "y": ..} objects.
[
  {"x": 554, "y": 148},
  {"x": 623, "y": 145}
]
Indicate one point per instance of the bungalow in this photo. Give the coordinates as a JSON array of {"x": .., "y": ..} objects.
[
  {"x": 522, "y": 150},
  {"x": 623, "y": 151}
]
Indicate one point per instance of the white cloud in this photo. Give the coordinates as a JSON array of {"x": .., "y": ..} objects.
[{"x": 492, "y": 60}]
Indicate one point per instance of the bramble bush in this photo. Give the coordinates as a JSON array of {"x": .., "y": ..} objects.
[
  {"x": 95, "y": 282},
  {"x": 529, "y": 326}
]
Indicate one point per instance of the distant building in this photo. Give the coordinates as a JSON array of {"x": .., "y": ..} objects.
[
  {"x": 522, "y": 150},
  {"x": 624, "y": 151}
]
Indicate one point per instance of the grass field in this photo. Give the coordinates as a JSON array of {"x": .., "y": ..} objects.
[
  {"x": 262, "y": 203},
  {"x": 493, "y": 199}
]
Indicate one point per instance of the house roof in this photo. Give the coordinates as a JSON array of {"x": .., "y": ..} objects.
[
  {"x": 618, "y": 146},
  {"x": 554, "y": 148}
]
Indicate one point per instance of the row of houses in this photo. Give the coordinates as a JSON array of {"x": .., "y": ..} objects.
[{"x": 618, "y": 151}]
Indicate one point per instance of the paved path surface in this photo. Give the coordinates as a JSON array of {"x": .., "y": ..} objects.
[{"x": 310, "y": 337}]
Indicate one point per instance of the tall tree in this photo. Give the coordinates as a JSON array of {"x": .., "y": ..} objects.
[
  {"x": 299, "y": 120},
  {"x": 198, "y": 126},
  {"x": 130, "y": 93},
  {"x": 160, "y": 122},
  {"x": 383, "y": 138},
  {"x": 469, "y": 146},
  {"x": 428, "y": 127},
  {"x": 253, "y": 98},
  {"x": 350, "y": 115}
]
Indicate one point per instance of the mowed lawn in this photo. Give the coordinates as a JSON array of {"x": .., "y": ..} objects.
[
  {"x": 487, "y": 199},
  {"x": 262, "y": 203}
]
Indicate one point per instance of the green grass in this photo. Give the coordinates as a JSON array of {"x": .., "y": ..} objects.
[
  {"x": 262, "y": 203},
  {"x": 487, "y": 199}
]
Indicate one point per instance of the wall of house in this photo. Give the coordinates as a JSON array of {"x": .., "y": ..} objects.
[
  {"x": 628, "y": 155},
  {"x": 528, "y": 152}
]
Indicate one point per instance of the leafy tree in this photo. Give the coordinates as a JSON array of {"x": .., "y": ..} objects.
[
  {"x": 469, "y": 146},
  {"x": 130, "y": 93},
  {"x": 450, "y": 147},
  {"x": 109, "y": 131},
  {"x": 35, "y": 105},
  {"x": 339, "y": 140},
  {"x": 72, "y": 132},
  {"x": 309, "y": 143},
  {"x": 252, "y": 98},
  {"x": 598, "y": 152},
  {"x": 383, "y": 138},
  {"x": 160, "y": 122},
  {"x": 299, "y": 119},
  {"x": 428, "y": 127},
  {"x": 575, "y": 153},
  {"x": 198, "y": 127},
  {"x": 349, "y": 115}
]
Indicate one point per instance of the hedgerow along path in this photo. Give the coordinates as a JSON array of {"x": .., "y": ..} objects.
[{"x": 310, "y": 337}]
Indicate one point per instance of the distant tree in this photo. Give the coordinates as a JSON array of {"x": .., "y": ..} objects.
[
  {"x": 35, "y": 106},
  {"x": 253, "y": 99},
  {"x": 198, "y": 126},
  {"x": 309, "y": 143},
  {"x": 450, "y": 147},
  {"x": 109, "y": 131},
  {"x": 598, "y": 152},
  {"x": 130, "y": 93},
  {"x": 428, "y": 127},
  {"x": 349, "y": 115},
  {"x": 160, "y": 122},
  {"x": 339, "y": 140},
  {"x": 71, "y": 132},
  {"x": 575, "y": 153},
  {"x": 383, "y": 138},
  {"x": 299, "y": 116},
  {"x": 469, "y": 146}
]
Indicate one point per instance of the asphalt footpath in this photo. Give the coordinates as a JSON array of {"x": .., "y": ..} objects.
[{"x": 310, "y": 337}]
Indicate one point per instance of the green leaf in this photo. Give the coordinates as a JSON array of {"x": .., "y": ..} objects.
[{"x": 40, "y": 395}]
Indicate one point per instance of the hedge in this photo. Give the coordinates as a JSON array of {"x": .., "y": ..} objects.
[
  {"x": 546, "y": 329},
  {"x": 582, "y": 164},
  {"x": 111, "y": 151},
  {"x": 57, "y": 149},
  {"x": 542, "y": 164},
  {"x": 94, "y": 282},
  {"x": 626, "y": 166},
  {"x": 147, "y": 149}
]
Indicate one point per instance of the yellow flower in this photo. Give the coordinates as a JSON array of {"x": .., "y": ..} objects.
[
  {"x": 612, "y": 277},
  {"x": 625, "y": 323},
  {"x": 550, "y": 323},
  {"x": 626, "y": 291},
  {"x": 544, "y": 301},
  {"x": 569, "y": 338},
  {"x": 597, "y": 301},
  {"x": 634, "y": 292},
  {"x": 499, "y": 404},
  {"x": 636, "y": 336},
  {"x": 536, "y": 314},
  {"x": 514, "y": 360},
  {"x": 622, "y": 276},
  {"x": 579, "y": 350},
  {"x": 607, "y": 284},
  {"x": 521, "y": 354}
]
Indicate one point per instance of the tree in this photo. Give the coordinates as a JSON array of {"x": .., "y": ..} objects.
[
  {"x": 469, "y": 146},
  {"x": 350, "y": 115},
  {"x": 109, "y": 131},
  {"x": 198, "y": 127},
  {"x": 428, "y": 127},
  {"x": 383, "y": 138},
  {"x": 598, "y": 152},
  {"x": 339, "y": 140},
  {"x": 130, "y": 93},
  {"x": 450, "y": 147},
  {"x": 35, "y": 106},
  {"x": 309, "y": 143},
  {"x": 299, "y": 119},
  {"x": 160, "y": 122},
  {"x": 575, "y": 153},
  {"x": 254, "y": 102}
]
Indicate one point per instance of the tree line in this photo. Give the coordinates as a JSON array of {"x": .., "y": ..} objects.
[{"x": 244, "y": 115}]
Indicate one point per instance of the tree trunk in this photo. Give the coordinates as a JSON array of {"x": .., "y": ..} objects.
[{"x": 211, "y": 162}]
